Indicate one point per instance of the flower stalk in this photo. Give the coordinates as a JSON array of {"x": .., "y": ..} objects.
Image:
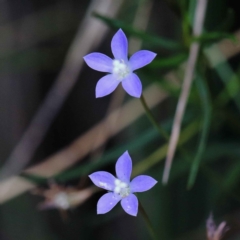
[
  {"x": 148, "y": 222},
  {"x": 152, "y": 119}
]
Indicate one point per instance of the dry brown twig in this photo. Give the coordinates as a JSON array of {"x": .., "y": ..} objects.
[
  {"x": 89, "y": 35},
  {"x": 188, "y": 77},
  {"x": 140, "y": 22},
  {"x": 79, "y": 148},
  {"x": 7, "y": 185},
  {"x": 63, "y": 198},
  {"x": 68, "y": 156},
  {"x": 16, "y": 185}
]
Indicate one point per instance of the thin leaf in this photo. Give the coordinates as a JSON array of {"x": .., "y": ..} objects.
[
  {"x": 160, "y": 153},
  {"x": 212, "y": 154},
  {"x": 38, "y": 180},
  {"x": 232, "y": 176},
  {"x": 225, "y": 72},
  {"x": 206, "y": 108},
  {"x": 169, "y": 62},
  {"x": 214, "y": 36},
  {"x": 110, "y": 156},
  {"x": 191, "y": 11},
  {"x": 150, "y": 39}
]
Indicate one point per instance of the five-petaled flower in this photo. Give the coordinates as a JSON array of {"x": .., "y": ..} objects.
[
  {"x": 121, "y": 188},
  {"x": 120, "y": 68}
]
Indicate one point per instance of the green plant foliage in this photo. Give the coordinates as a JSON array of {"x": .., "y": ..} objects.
[
  {"x": 206, "y": 108},
  {"x": 148, "y": 38},
  {"x": 205, "y": 172}
]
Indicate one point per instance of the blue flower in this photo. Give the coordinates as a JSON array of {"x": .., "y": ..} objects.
[
  {"x": 121, "y": 188},
  {"x": 120, "y": 68}
]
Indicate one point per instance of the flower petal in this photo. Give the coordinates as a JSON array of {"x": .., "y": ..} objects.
[
  {"x": 119, "y": 45},
  {"x": 130, "y": 204},
  {"x": 141, "y": 59},
  {"x": 124, "y": 167},
  {"x": 132, "y": 85},
  {"x": 107, "y": 202},
  {"x": 106, "y": 85},
  {"x": 142, "y": 183},
  {"x": 99, "y": 62},
  {"x": 103, "y": 180}
]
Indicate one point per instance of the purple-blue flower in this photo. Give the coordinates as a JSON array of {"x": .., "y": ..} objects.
[
  {"x": 120, "y": 68},
  {"x": 121, "y": 188}
]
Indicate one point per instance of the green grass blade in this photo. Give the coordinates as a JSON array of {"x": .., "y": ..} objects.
[
  {"x": 232, "y": 175},
  {"x": 214, "y": 36},
  {"x": 226, "y": 74},
  {"x": 187, "y": 133},
  {"x": 111, "y": 156},
  {"x": 150, "y": 39},
  {"x": 206, "y": 107},
  {"x": 169, "y": 62}
]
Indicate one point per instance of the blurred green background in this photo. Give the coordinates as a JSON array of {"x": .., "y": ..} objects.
[{"x": 35, "y": 37}]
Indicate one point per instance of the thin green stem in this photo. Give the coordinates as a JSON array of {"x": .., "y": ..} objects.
[
  {"x": 185, "y": 23},
  {"x": 162, "y": 132},
  {"x": 148, "y": 222},
  {"x": 152, "y": 119}
]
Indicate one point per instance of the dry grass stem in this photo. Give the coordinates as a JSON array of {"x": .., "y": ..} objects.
[
  {"x": 82, "y": 146},
  {"x": 63, "y": 198},
  {"x": 140, "y": 22},
  {"x": 68, "y": 156},
  {"x": 89, "y": 35},
  {"x": 188, "y": 77}
]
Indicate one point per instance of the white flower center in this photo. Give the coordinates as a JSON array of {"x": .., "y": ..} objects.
[
  {"x": 121, "y": 188},
  {"x": 120, "y": 69},
  {"x": 61, "y": 200}
]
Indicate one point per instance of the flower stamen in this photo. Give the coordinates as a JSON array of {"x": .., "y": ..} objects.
[
  {"x": 121, "y": 188},
  {"x": 120, "y": 69}
]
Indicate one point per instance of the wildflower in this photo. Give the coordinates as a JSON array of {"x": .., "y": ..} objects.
[
  {"x": 121, "y": 188},
  {"x": 120, "y": 68},
  {"x": 62, "y": 198},
  {"x": 214, "y": 232}
]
